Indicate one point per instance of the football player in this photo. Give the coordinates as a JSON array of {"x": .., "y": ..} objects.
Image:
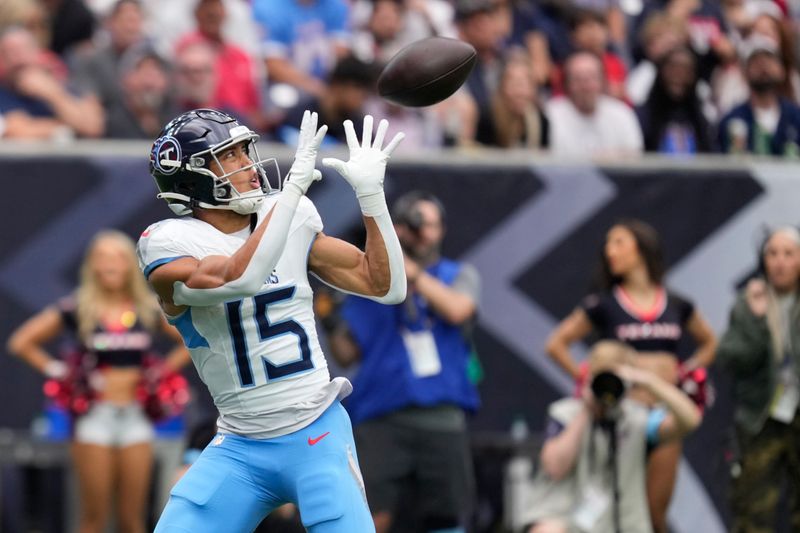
[{"x": 233, "y": 278}]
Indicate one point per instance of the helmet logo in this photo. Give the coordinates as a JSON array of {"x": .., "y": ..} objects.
[{"x": 167, "y": 148}]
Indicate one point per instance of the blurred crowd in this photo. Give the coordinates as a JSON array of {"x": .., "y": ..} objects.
[{"x": 576, "y": 77}]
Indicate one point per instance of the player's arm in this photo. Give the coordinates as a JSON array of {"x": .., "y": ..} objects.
[
  {"x": 27, "y": 342},
  {"x": 342, "y": 265},
  {"x": 202, "y": 282},
  {"x": 572, "y": 329},
  {"x": 382, "y": 266},
  {"x": 214, "y": 279}
]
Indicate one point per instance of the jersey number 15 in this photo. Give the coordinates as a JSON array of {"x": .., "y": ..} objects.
[{"x": 266, "y": 331}]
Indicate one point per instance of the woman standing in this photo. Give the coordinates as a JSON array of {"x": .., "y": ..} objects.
[
  {"x": 635, "y": 308},
  {"x": 761, "y": 350},
  {"x": 113, "y": 316}
]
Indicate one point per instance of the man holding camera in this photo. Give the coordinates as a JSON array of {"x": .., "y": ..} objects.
[
  {"x": 412, "y": 390},
  {"x": 593, "y": 462}
]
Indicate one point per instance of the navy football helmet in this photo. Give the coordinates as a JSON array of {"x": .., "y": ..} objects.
[{"x": 180, "y": 163}]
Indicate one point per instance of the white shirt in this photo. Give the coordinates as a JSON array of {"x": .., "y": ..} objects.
[
  {"x": 259, "y": 356},
  {"x": 612, "y": 129}
]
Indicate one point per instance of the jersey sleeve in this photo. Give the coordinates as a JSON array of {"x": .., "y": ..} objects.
[
  {"x": 308, "y": 215},
  {"x": 594, "y": 307},
  {"x": 684, "y": 307},
  {"x": 159, "y": 244}
]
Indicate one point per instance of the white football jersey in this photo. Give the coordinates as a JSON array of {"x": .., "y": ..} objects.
[{"x": 259, "y": 356}]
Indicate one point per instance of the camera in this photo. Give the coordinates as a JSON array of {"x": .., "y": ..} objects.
[{"x": 608, "y": 389}]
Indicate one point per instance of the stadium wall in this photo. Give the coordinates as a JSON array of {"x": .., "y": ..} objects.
[{"x": 534, "y": 227}]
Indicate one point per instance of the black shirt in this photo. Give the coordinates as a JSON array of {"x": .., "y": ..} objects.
[
  {"x": 122, "y": 346},
  {"x": 614, "y": 317}
]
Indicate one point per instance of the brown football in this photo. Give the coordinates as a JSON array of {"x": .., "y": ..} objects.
[{"x": 426, "y": 71}]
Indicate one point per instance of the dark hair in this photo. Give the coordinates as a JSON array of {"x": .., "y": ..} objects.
[
  {"x": 404, "y": 212},
  {"x": 648, "y": 244},
  {"x": 115, "y": 9},
  {"x": 660, "y": 108},
  {"x": 580, "y": 16},
  {"x": 352, "y": 70}
]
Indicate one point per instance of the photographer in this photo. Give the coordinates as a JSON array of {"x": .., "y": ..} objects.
[
  {"x": 761, "y": 351},
  {"x": 412, "y": 392},
  {"x": 593, "y": 462}
]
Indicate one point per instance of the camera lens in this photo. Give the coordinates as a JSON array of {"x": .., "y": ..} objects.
[{"x": 608, "y": 389}]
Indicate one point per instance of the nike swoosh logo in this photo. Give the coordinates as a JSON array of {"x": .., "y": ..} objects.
[{"x": 312, "y": 442}]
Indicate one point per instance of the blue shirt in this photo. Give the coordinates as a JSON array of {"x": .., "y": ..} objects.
[
  {"x": 11, "y": 101},
  {"x": 303, "y": 33},
  {"x": 385, "y": 381}
]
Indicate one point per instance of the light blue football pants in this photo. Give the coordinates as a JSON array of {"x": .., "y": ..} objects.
[{"x": 237, "y": 481}]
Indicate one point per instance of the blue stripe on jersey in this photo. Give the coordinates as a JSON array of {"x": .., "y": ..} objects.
[
  {"x": 159, "y": 262},
  {"x": 191, "y": 337},
  {"x": 311, "y": 245}
]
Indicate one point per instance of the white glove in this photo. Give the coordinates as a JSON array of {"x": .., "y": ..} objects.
[
  {"x": 303, "y": 171},
  {"x": 365, "y": 169}
]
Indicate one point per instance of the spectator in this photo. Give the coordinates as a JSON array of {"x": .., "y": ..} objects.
[
  {"x": 384, "y": 32},
  {"x": 97, "y": 70},
  {"x": 195, "y": 76},
  {"x": 422, "y": 126},
  {"x": 586, "y": 122},
  {"x": 481, "y": 24},
  {"x": 589, "y": 33},
  {"x": 518, "y": 122},
  {"x": 34, "y": 102},
  {"x": 72, "y": 25},
  {"x": 659, "y": 34},
  {"x": 237, "y": 88},
  {"x": 672, "y": 119},
  {"x": 706, "y": 26},
  {"x": 593, "y": 462},
  {"x": 303, "y": 40},
  {"x": 146, "y": 104},
  {"x": 167, "y": 22},
  {"x": 429, "y": 18},
  {"x": 113, "y": 318},
  {"x": 538, "y": 31},
  {"x": 761, "y": 350},
  {"x": 729, "y": 83},
  {"x": 634, "y": 307},
  {"x": 766, "y": 123},
  {"x": 411, "y": 391},
  {"x": 31, "y": 15},
  {"x": 349, "y": 87}
]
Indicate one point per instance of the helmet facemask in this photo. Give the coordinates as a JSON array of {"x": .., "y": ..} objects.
[{"x": 226, "y": 196}]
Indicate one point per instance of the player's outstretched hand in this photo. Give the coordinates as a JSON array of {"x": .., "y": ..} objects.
[
  {"x": 303, "y": 171},
  {"x": 365, "y": 169}
]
